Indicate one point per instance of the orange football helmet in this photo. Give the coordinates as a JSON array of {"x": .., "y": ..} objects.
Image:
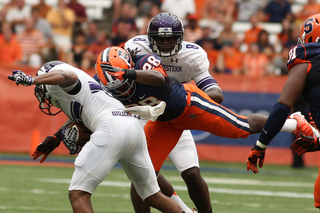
[
  {"x": 310, "y": 30},
  {"x": 116, "y": 57}
]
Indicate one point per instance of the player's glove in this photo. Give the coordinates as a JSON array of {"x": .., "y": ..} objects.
[
  {"x": 69, "y": 137},
  {"x": 119, "y": 73},
  {"x": 21, "y": 78},
  {"x": 305, "y": 144},
  {"x": 46, "y": 147},
  {"x": 255, "y": 154}
]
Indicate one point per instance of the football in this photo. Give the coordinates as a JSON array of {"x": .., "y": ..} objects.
[{"x": 78, "y": 133}]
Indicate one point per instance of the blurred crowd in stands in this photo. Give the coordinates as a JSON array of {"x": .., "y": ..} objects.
[{"x": 32, "y": 34}]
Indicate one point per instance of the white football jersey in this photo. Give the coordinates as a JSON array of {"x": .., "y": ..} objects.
[
  {"x": 90, "y": 105},
  {"x": 189, "y": 63}
]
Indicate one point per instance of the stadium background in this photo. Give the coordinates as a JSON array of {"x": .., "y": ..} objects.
[{"x": 23, "y": 126}]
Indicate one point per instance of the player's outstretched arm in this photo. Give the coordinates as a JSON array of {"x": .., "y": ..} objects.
[
  {"x": 148, "y": 77},
  {"x": 56, "y": 77},
  {"x": 291, "y": 91}
]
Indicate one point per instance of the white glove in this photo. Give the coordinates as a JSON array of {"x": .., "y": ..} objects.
[
  {"x": 148, "y": 112},
  {"x": 21, "y": 78}
]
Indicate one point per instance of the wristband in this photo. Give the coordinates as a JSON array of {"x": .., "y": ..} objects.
[
  {"x": 31, "y": 80},
  {"x": 261, "y": 145},
  {"x": 58, "y": 134},
  {"x": 130, "y": 74}
]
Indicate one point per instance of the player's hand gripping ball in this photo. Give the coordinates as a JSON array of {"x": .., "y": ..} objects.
[{"x": 75, "y": 136}]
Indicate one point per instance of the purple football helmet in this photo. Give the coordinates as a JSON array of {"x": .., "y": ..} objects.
[
  {"x": 41, "y": 93},
  {"x": 165, "y": 34}
]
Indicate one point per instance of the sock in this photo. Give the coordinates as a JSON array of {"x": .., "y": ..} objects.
[
  {"x": 289, "y": 126},
  {"x": 184, "y": 207}
]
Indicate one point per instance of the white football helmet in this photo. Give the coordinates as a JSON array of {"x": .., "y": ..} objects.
[{"x": 40, "y": 91}]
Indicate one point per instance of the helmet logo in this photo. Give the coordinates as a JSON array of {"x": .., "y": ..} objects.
[
  {"x": 48, "y": 66},
  {"x": 125, "y": 57},
  {"x": 165, "y": 31},
  {"x": 308, "y": 25}
]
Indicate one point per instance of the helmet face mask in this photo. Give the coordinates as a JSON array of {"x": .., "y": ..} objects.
[
  {"x": 116, "y": 57},
  {"x": 165, "y": 34},
  {"x": 122, "y": 91},
  {"x": 310, "y": 30},
  {"x": 45, "y": 101}
]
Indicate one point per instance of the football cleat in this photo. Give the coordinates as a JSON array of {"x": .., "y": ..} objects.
[{"x": 303, "y": 126}]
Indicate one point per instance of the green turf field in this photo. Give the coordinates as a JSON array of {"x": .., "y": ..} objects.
[{"x": 232, "y": 189}]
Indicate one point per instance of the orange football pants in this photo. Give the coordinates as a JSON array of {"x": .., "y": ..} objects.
[
  {"x": 200, "y": 113},
  {"x": 316, "y": 192}
]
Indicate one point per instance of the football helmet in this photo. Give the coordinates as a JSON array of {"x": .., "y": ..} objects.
[
  {"x": 310, "y": 30},
  {"x": 120, "y": 58},
  {"x": 165, "y": 34},
  {"x": 41, "y": 93}
]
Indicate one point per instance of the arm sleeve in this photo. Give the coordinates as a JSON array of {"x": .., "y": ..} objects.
[
  {"x": 205, "y": 81},
  {"x": 274, "y": 123}
]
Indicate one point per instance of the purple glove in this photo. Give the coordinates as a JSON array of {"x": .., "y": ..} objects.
[{"x": 21, "y": 78}]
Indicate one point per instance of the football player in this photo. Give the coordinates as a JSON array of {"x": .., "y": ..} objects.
[
  {"x": 116, "y": 136},
  {"x": 187, "y": 107},
  {"x": 304, "y": 79},
  {"x": 185, "y": 61}
]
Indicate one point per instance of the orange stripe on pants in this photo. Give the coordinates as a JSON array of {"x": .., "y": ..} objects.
[{"x": 162, "y": 136}]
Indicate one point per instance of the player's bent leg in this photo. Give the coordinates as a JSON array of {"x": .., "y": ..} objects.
[
  {"x": 140, "y": 171},
  {"x": 80, "y": 201},
  {"x": 185, "y": 158},
  {"x": 163, "y": 203},
  {"x": 316, "y": 192},
  {"x": 184, "y": 155},
  {"x": 92, "y": 165},
  {"x": 165, "y": 186},
  {"x": 139, "y": 205},
  {"x": 167, "y": 189},
  {"x": 198, "y": 189}
]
